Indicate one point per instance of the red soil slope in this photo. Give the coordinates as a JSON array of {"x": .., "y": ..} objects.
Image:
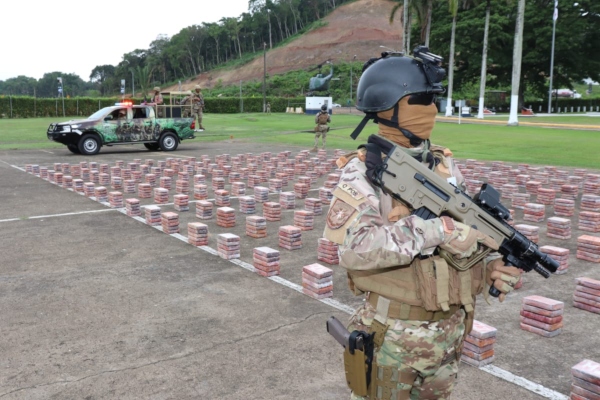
[{"x": 357, "y": 28}]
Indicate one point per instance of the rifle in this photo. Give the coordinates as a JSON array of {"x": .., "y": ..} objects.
[
  {"x": 358, "y": 356},
  {"x": 431, "y": 196}
]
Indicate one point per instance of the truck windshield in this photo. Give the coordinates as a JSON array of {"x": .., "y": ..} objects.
[{"x": 99, "y": 114}]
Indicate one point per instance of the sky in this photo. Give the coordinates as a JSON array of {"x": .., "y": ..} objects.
[{"x": 76, "y": 36}]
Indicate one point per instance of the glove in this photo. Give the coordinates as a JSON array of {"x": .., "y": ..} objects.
[
  {"x": 502, "y": 277},
  {"x": 461, "y": 240}
]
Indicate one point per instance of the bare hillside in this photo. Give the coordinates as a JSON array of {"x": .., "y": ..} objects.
[{"x": 357, "y": 28}]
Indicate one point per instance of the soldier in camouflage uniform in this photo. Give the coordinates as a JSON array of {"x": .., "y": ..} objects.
[
  {"x": 157, "y": 100},
  {"x": 198, "y": 107},
  {"x": 321, "y": 119},
  {"x": 418, "y": 306}
]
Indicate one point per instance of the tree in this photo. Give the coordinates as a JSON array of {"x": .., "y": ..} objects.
[
  {"x": 453, "y": 6},
  {"x": 516, "y": 75},
  {"x": 101, "y": 75}
]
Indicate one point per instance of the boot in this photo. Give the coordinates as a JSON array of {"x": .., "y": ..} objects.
[{"x": 313, "y": 150}]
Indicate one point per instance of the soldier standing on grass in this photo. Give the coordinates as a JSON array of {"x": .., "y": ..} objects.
[
  {"x": 321, "y": 119},
  {"x": 418, "y": 306},
  {"x": 198, "y": 107}
]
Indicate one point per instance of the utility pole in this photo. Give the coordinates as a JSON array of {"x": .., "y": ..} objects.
[
  {"x": 132, "y": 85},
  {"x": 241, "y": 99},
  {"x": 264, "y": 77},
  {"x": 351, "y": 97},
  {"x": 554, "y": 17}
]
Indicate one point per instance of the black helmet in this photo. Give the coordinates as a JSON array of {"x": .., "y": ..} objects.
[
  {"x": 323, "y": 107},
  {"x": 393, "y": 76}
]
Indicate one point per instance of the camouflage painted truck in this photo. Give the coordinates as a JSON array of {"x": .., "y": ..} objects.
[{"x": 123, "y": 124}]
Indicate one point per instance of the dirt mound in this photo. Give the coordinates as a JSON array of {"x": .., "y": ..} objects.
[{"x": 357, "y": 28}]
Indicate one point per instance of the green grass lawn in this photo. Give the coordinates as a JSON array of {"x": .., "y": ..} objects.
[{"x": 523, "y": 144}]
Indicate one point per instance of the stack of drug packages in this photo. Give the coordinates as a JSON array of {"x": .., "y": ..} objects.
[
  {"x": 181, "y": 202},
  {"x": 534, "y": 212},
  {"x": 588, "y": 221},
  {"x": 115, "y": 199},
  {"x": 204, "y": 209},
  {"x": 161, "y": 195},
  {"x": 182, "y": 186},
  {"x": 247, "y": 204},
  {"x": 564, "y": 207},
  {"x": 272, "y": 211},
  {"x": 197, "y": 234},
  {"x": 301, "y": 190},
  {"x": 261, "y": 194},
  {"x": 222, "y": 198},
  {"x": 256, "y": 227},
  {"x": 542, "y": 315},
  {"x": 101, "y": 194},
  {"x": 317, "y": 281},
  {"x": 152, "y": 214},
  {"x": 144, "y": 191},
  {"x": 478, "y": 347},
  {"x": 558, "y": 228},
  {"x": 228, "y": 246},
  {"x": 560, "y": 255},
  {"x": 238, "y": 189},
  {"x": 314, "y": 205},
  {"x": 170, "y": 222},
  {"x": 287, "y": 200},
  {"x": 132, "y": 207},
  {"x": 327, "y": 251},
  {"x": 590, "y": 202},
  {"x": 586, "y": 381},
  {"x": 588, "y": 248},
  {"x": 266, "y": 261},
  {"x": 304, "y": 220},
  {"x": 587, "y": 295},
  {"x": 200, "y": 192},
  {"x": 226, "y": 217},
  {"x": 290, "y": 237}
]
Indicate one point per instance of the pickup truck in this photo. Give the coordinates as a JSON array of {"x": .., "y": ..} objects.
[{"x": 120, "y": 124}]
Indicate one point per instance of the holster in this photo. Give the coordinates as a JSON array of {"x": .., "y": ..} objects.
[{"x": 355, "y": 366}]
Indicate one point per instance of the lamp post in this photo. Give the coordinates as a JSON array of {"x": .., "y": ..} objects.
[
  {"x": 351, "y": 97},
  {"x": 132, "y": 84},
  {"x": 264, "y": 77},
  {"x": 270, "y": 38}
]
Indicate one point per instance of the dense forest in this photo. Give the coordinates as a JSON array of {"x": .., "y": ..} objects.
[{"x": 271, "y": 23}]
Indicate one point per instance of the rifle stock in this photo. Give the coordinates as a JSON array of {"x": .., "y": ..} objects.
[{"x": 431, "y": 196}]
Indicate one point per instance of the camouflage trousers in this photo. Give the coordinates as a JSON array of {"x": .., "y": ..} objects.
[
  {"x": 321, "y": 130},
  {"x": 197, "y": 115},
  {"x": 423, "y": 352}
]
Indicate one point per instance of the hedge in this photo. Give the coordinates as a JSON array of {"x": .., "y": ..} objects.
[{"x": 30, "y": 107}]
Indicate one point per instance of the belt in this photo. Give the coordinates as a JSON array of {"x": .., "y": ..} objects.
[{"x": 403, "y": 311}]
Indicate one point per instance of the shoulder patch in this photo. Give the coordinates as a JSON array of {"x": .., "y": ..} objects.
[
  {"x": 339, "y": 213},
  {"x": 348, "y": 188}
]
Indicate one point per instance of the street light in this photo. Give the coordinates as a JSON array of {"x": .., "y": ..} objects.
[{"x": 351, "y": 97}]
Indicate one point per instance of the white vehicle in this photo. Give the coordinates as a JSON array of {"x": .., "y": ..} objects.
[{"x": 335, "y": 105}]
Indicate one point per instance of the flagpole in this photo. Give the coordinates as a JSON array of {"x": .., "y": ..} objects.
[{"x": 554, "y": 17}]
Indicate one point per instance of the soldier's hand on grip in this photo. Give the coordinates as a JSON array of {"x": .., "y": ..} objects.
[
  {"x": 502, "y": 277},
  {"x": 463, "y": 241}
]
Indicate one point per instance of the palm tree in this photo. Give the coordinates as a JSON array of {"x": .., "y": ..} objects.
[
  {"x": 453, "y": 5},
  {"x": 516, "y": 74}
]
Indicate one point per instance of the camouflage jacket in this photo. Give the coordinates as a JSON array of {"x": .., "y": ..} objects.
[
  {"x": 359, "y": 220},
  {"x": 320, "y": 118}
]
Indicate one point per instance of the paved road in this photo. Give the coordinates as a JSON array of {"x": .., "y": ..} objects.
[{"x": 98, "y": 305}]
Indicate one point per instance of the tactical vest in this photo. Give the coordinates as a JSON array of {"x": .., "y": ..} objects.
[
  {"x": 429, "y": 282},
  {"x": 323, "y": 116}
]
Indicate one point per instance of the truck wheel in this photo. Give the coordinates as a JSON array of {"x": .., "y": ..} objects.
[
  {"x": 152, "y": 146},
  {"x": 168, "y": 142},
  {"x": 89, "y": 145},
  {"x": 73, "y": 148}
]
